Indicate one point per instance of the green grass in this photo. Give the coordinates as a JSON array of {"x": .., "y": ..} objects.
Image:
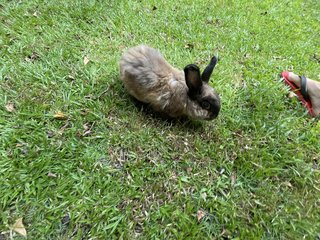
[{"x": 253, "y": 172}]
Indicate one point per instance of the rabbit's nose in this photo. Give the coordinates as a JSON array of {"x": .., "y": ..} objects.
[{"x": 215, "y": 109}]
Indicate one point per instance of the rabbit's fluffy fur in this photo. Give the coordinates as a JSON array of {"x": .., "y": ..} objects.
[{"x": 173, "y": 92}]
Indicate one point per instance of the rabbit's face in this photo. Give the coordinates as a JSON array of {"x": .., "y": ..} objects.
[
  {"x": 204, "y": 102},
  {"x": 204, "y": 105}
]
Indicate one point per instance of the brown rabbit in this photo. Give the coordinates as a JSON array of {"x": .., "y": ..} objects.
[{"x": 176, "y": 93}]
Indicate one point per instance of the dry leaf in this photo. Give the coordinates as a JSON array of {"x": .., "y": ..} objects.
[
  {"x": 288, "y": 184},
  {"x": 200, "y": 214},
  {"x": 10, "y": 107},
  {"x": 18, "y": 227},
  {"x": 189, "y": 46},
  {"x": 87, "y": 129},
  {"x": 50, "y": 174},
  {"x": 60, "y": 116},
  {"x": 86, "y": 126},
  {"x": 233, "y": 178},
  {"x": 87, "y": 133},
  {"x": 64, "y": 127},
  {"x": 86, "y": 60}
]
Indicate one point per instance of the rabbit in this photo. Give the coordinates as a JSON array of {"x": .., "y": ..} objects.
[{"x": 149, "y": 78}]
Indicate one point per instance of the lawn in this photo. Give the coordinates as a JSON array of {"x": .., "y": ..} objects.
[{"x": 79, "y": 159}]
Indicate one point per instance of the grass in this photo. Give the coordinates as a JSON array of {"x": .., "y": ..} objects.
[{"x": 108, "y": 170}]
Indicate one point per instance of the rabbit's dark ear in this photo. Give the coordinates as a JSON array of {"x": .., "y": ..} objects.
[
  {"x": 208, "y": 70},
  {"x": 193, "y": 79}
]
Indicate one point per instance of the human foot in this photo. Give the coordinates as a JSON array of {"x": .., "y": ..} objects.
[{"x": 313, "y": 90}]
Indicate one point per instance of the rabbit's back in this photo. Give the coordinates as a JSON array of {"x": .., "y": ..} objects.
[{"x": 144, "y": 72}]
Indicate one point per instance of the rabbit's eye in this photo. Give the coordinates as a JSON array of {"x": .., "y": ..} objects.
[{"x": 205, "y": 104}]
